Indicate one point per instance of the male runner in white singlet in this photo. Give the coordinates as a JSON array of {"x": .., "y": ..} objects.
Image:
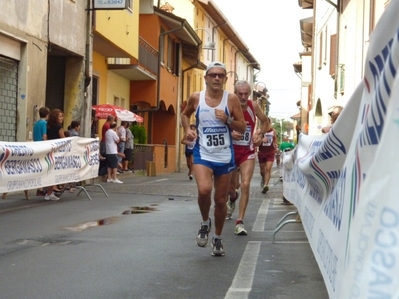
[{"x": 217, "y": 112}]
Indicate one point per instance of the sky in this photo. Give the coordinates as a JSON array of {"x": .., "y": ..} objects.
[{"x": 271, "y": 30}]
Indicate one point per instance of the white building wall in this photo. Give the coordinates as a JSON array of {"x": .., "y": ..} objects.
[
  {"x": 325, "y": 20},
  {"x": 355, "y": 29}
]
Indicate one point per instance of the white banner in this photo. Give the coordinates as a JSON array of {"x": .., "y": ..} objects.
[
  {"x": 32, "y": 165},
  {"x": 345, "y": 184}
]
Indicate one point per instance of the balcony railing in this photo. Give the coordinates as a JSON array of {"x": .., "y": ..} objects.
[
  {"x": 148, "y": 57},
  {"x": 147, "y": 60}
]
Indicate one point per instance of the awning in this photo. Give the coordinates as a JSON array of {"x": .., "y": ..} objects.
[{"x": 296, "y": 116}]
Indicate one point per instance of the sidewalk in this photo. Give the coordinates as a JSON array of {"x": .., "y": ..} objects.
[
  {"x": 16, "y": 200},
  {"x": 135, "y": 183}
]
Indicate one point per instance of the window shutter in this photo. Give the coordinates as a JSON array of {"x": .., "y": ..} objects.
[{"x": 333, "y": 54}]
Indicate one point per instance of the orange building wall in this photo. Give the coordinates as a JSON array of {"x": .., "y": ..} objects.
[
  {"x": 164, "y": 127},
  {"x": 169, "y": 86},
  {"x": 164, "y": 121},
  {"x": 143, "y": 91},
  {"x": 150, "y": 29}
]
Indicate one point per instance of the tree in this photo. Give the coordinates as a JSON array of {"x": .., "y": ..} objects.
[
  {"x": 280, "y": 126},
  {"x": 139, "y": 133}
]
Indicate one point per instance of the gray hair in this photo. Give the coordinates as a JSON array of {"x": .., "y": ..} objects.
[{"x": 241, "y": 83}]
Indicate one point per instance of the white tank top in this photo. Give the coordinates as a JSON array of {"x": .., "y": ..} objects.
[{"x": 214, "y": 142}]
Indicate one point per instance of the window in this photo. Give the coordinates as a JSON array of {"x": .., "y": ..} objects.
[
  {"x": 170, "y": 61},
  {"x": 176, "y": 66},
  {"x": 116, "y": 101},
  {"x": 162, "y": 46},
  {"x": 94, "y": 90}
]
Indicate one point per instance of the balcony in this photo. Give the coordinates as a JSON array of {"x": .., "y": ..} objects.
[{"x": 143, "y": 68}]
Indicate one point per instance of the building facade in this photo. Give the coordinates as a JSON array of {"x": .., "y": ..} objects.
[{"x": 335, "y": 41}]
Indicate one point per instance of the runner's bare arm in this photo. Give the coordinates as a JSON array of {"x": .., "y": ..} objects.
[
  {"x": 266, "y": 125},
  {"x": 192, "y": 104},
  {"x": 238, "y": 122}
]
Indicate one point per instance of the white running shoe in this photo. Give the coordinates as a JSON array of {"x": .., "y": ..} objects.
[
  {"x": 217, "y": 247},
  {"x": 230, "y": 209},
  {"x": 110, "y": 180},
  {"x": 240, "y": 230},
  {"x": 117, "y": 181},
  {"x": 202, "y": 237},
  {"x": 51, "y": 197}
]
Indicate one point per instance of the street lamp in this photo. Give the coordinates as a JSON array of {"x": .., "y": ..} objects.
[
  {"x": 209, "y": 45},
  {"x": 262, "y": 94},
  {"x": 264, "y": 90}
]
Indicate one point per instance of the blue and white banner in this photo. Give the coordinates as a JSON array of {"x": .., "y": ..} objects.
[
  {"x": 31, "y": 165},
  {"x": 345, "y": 183}
]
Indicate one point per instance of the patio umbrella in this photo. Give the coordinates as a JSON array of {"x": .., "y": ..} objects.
[{"x": 102, "y": 112}]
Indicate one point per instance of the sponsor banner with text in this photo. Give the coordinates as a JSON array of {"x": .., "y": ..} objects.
[
  {"x": 31, "y": 165},
  {"x": 345, "y": 184}
]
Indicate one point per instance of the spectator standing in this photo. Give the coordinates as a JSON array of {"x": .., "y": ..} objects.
[
  {"x": 121, "y": 131},
  {"x": 244, "y": 153},
  {"x": 104, "y": 129},
  {"x": 93, "y": 127},
  {"x": 40, "y": 132},
  {"x": 266, "y": 153},
  {"x": 54, "y": 131},
  {"x": 188, "y": 152},
  {"x": 217, "y": 112},
  {"x": 40, "y": 127},
  {"x": 111, "y": 149},
  {"x": 285, "y": 146},
  {"x": 129, "y": 146},
  {"x": 73, "y": 131}
]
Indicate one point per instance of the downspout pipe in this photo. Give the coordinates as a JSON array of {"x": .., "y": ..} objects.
[
  {"x": 88, "y": 36},
  {"x": 213, "y": 37},
  {"x": 87, "y": 96},
  {"x": 333, "y": 4},
  {"x": 158, "y": 106}
]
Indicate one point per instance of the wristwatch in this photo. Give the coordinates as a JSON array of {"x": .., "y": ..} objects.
[{"x": 229, "y": 120}]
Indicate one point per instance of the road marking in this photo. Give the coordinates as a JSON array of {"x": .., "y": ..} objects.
[
  {"x": 242, "y": 282},
  {"x": 154, "y": 181},
  {"x": 259, "y": 225}
]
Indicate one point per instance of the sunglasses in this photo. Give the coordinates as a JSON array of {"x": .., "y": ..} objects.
[{"x": 214, "y": 75}]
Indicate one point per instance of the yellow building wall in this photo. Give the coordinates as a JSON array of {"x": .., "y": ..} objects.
[
  {"x": 120, "y": 27},
  {"x": 100, "y": 70},
  {"x": 118, "y": 91}
]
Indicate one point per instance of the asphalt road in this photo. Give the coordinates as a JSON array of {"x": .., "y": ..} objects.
[{"x": 140, "y": 243}]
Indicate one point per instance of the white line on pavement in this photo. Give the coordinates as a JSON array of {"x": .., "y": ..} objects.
[
  {"x": 259, "y": 225},
  {"x": 242, "y": 282}
]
